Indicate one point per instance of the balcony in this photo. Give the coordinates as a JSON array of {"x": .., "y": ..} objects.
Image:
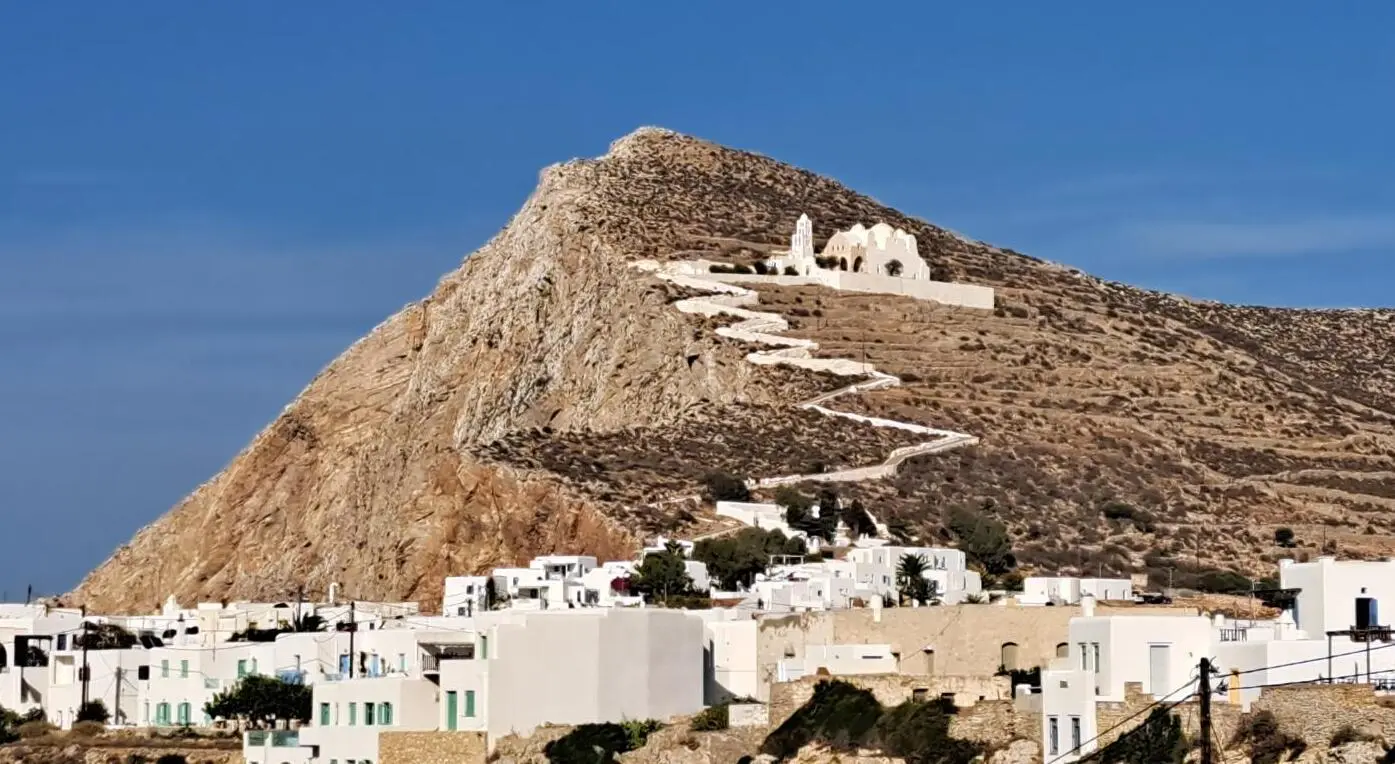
[
  {"x": 1237, "y": 634},
  {"x": 274, "y": 738}
]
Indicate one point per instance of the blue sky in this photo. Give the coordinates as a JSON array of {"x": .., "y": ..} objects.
[{"x": 201, "y": 204}]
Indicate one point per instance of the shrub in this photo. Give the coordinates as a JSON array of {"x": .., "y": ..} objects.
[
  {"x": 1268, "y": 744},
  {"x": 639, "y": 730},
  {"x": 1222, "y": 582},
  {"x": 93, "y": 711},
  {"x": 171, "y": 758},
  {"x": 1284, "y": 537},
  {"x": 31, "y": 730},
  {"x": 711, "y": 719},
  {"x": 919, "y": 733},
  {"x": 790, "y": 271},
  {"x": 721, "y": 486},
  {"x": 838, "y": 714},
  {"x": 88, "y": 729},
  {"x": 598, "y": 743},
  {"x": 1349, "y": 734}
]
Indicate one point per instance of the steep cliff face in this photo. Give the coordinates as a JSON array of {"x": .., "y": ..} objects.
[
  {"x": 366, "y": 478},
  {"x": 546, "y": 390}
]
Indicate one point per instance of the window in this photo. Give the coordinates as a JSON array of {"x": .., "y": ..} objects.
[
  {"x": 484, "y": 648},
  {"x": 62, "y": 641},
  {"x": 368, "y": 710},
  {"x": 162, "y": 714},
  {"x": 184, "y": 669},
  {"x": 451, "y": 710},
  {"x": 1063, "y": 650},
  {"x": 1084, "y": 658},
  {"x": 164, "y": 669},
  {"x": 469, "y": 703},
  {"x": 1096, "y": 647},
  {"x": 353, "y": 714},
  {"x": 324, "y": 714},
  {"x": 402, "y": 662},
  {"x": 1053, "y": 737},
  {"x": 241, "y": 668},
  {"x": 184, "y": 714},
  {"x": 1075, "y": 733},
  {"x": 143, "y": 673},
  {"x": 385, "y": 714}
]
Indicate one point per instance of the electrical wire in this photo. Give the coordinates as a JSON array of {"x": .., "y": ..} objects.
[{"x": 1146, "y": 709}]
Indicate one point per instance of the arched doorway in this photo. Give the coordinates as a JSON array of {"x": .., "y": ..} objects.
[
  {"x": 4, "y": 658},
  {"x": 857, "y": 265},
  {"x": 1009, "y": 656},
  {"x": 1063, "y": 650},
  {"x": 842, "y": 263}
]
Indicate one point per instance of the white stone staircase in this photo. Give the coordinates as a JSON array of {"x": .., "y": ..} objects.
[{"x": 757, "y": 327}]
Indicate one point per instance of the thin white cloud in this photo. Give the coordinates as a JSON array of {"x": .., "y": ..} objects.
[{"x": 1289, "y": 238}]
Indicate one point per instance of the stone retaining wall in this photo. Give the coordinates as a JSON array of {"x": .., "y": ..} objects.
[{"x": 432, "y": 748}]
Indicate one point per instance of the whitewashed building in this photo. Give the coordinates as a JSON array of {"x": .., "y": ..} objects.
[
  {"x": 1042, "y": 590},
  {"x": 1333, "y": 633}
]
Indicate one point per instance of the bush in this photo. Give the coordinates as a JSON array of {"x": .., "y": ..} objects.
[
  {"x": 760, "y": 267},
  {"x": 1349, "y": 734},
  {"x": 171, "y": 758},
  {"x": 93, "y": 711},
  {"x": 88, "y": 729},
  {"x": 838, "y": 714},
  {"x": 790, "y": 271},
  {"x": 639, "y": 730},
  {"x": 1284, "y": 537},
  {"x": 1222, "y": 582},
  {"x": 721, "y": 486},
  {"x": 982, "y": 538},
  {"x": 588, "y": 744},
  {"x": 843, "y": 716},
  {"x": 712, "y": 719},
  {"x": 1268, "y": 744},
  {"x": 35, "y": 729}
]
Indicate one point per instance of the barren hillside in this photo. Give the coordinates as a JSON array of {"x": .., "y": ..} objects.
[{"x": 545, "y": 391}]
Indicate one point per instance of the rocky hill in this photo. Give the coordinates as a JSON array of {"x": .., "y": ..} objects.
[{"x": 546, "y": 391}]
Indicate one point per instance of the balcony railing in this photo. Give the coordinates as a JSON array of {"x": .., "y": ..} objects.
[
  {"x": 1234, "y": 635},
  {"x": 276, "y": 738}
]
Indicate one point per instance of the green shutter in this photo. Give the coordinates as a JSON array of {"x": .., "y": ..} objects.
[
  {"x": 385, "y": 715},
  {"x": 184, "y": 713},
  {"x": 241, "y": 668},
  {"x": 452, "y": 709},
  {"x": 184, "y": 669},
  {"x": 368, "y": 710},
  {"x": 484, "y": 648},
  {"x": 324, "y": 714},
  {"x": 469, "y": 703},
  {"x": 353, "y": 714},
  {"x": 165, "y": 669}
]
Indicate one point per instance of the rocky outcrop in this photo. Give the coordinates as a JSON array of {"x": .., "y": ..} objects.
[{"x": 385, "y": 474}]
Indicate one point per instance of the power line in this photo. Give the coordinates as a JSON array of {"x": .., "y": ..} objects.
[
  {"x": 1126, "y": 720},
  {"x": 1359, "y": 651}
]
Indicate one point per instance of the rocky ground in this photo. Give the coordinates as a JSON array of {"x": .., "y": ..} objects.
[{"x": 535, "y": 401}]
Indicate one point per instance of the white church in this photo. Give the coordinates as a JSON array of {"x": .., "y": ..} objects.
[{"x": 880, "y": 250}]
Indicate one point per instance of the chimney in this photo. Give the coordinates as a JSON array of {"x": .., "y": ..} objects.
[{"x": 1087, "y": 606}]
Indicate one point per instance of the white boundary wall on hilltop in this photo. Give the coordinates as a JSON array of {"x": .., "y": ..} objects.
[{"x": 944, "y": 292}]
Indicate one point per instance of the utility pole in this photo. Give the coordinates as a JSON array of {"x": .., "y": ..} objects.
[
  {"x": 116, "y": 713},
  {"x": 1204, "y": 689},
  {"x": 353, "y": 627},
  {"x": 86, "y": 673}
]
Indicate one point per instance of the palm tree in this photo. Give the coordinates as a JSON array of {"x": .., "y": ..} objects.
[{"x": 910, "y": 579}]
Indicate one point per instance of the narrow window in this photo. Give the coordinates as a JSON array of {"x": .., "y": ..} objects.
[
  {"x": 1096, "y": 647},
  {"x": 324, "y": 714},
  {"x": 184, "y": 669},
  {"x": 1053, "y": 736},
  {"x": 385, "y": 714},
  {"x": 368, "y": 709},
  {"x": 1075, "y": 734},
  {"x": 469, "y": 703},
  {"x": 165, "y": 669},
  {"x": 353, "y": 714}
]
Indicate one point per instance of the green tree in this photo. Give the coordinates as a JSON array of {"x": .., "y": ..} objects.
[
  {"x": 910, "y": 580},
  {"x": 1284, "y": 537},
  {"x": 790, "y": 497},
  {"x": 734, "y": 560},
  {"x": 857, "y": 519},
  {"x": 93, "y": 711},
  {"x": 260, "y": 700},
  {"x": 983, "y": 539},
  {"x": 308, "y": 622},
  {"x": 893, "y": 268},
  {"x": 720, "y": 486},
  {"x": 661, "y": 575}
]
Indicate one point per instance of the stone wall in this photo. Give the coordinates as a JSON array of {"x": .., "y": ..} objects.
[
  {"x": 965, "y": 640},
  {"x": 892, "y": 690},
  {"x": 1113, "y": 719},
  {"x": 432, "y": 748},
  {"x": 123, "y": 754},
  {"x": 993, "y": 720},
  {"x": 1313, "y": 712},
  {"x": 748, "y": 715}
]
